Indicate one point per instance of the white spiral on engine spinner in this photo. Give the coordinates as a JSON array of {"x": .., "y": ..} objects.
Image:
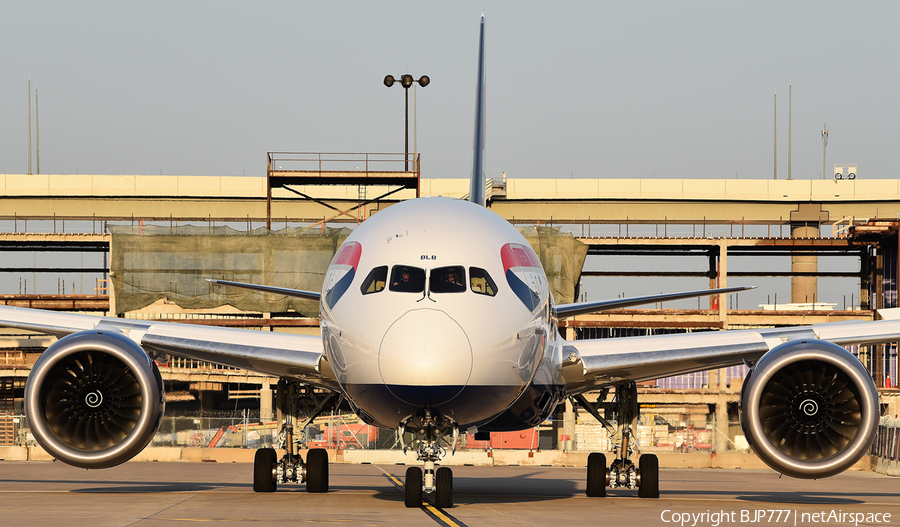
[
  {"x": 809, "y": 407},
  {"x": 94, "y": 399}
]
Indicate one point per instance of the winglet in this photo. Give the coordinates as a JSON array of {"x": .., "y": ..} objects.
[
  {"x": 889, "y": 313},
  {"x": 477, "y": 182}
]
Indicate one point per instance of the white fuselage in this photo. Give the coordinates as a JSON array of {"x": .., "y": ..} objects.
[{"x": 437, "y": 308}]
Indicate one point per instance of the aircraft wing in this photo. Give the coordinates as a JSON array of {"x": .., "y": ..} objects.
[
  {"x": 308, "y": 295},
  {"x": 297, "y": 357},
  {"x": 583, "y": 308},
  {"x": 589, "y": 364}
]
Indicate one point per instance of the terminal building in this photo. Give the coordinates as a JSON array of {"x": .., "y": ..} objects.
[{"x": 141, "y": 247}]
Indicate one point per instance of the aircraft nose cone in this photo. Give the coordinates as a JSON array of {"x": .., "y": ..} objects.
[{"x": 425, "y": 358}]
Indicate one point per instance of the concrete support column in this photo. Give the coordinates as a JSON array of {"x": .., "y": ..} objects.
[
  {"x": 112, "y": 286},
  {"x": 878, "y": 301},
  {"x": 880, "y": 351},
  {"x": 265, "y": 402},
  {"x": 804, "y": 288},
  {"x": 567, "y": 437},
  {"x": 723, "y": 282},
  {"x": 722, "y": 424},
  {"x": 865, "y": 280}
]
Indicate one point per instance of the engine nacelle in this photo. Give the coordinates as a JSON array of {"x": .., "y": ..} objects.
[
  {"x": 94, "y": 399},
  {"x": 809, "y": 409}
]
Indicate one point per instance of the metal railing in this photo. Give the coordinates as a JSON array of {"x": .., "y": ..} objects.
[
  {"x": 341, "y": 162},
  {"x": 887, "y": 443},
  {"x": 193, "y": 364},
  {"x": 243, "y": 429}
]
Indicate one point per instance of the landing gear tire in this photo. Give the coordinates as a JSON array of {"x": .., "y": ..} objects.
[
  {"x": 443, "y": 494},
  {"x": 596, "y": 475},
  {"x": 317, "y": 470},
  {"x": 264, "y": 470},
  {"x": 649, "y": 466},
  {"x": 413, "y": 487}
]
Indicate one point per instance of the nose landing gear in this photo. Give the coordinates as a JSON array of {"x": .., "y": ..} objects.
[{"x": 438, "y": 482}]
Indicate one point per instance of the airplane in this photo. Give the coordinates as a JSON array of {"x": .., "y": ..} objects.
[{"x": 437, "y": 320}]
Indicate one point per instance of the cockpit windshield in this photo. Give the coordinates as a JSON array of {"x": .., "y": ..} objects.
[
  {"x": 407, "y": 279},
  {"x": 450, "y": 279},
  {"x": 410, "y": 279}
]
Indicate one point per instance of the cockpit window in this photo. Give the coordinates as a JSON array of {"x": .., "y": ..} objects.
[
  {"x": 374, "y": 283},
  {"x": 448, "y": 279},
  {"x": 480, "y": 282},
  {"x": 407, "y": 279}
]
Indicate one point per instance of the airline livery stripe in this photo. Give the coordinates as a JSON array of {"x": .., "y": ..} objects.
[
  {"x": 348, "y": 255},
  {"x": 517, "y": 255}
]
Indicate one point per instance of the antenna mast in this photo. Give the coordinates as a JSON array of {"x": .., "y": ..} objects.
[
  {"x": 824, "y": 145},
  {"x": 790, "y": 99},
  {"x": 37, "y": 131},
  {"x": 29, "y": 125}
]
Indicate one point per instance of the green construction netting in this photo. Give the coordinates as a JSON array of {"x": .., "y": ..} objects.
[
  {"x": 562, "y": 257},
  {"x": 149, "y": 263}
]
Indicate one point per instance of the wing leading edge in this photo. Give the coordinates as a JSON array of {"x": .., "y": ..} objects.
[
  {"x": 297, "y": 293},
  {"x": 298, "y": 357},
  {"x": 589, "y": 364}
]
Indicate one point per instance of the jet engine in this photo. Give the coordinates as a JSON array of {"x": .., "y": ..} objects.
[
  {"x": 94, "y": 399},
  {"x": 809, "y": 409}
]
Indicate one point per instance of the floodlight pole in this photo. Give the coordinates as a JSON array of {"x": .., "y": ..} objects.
[
  {"x": 406, "y": 81},
  {"x": 406, "y": 130}
]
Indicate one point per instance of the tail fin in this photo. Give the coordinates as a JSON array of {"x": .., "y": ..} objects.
[{"x": 477, "y": 183}]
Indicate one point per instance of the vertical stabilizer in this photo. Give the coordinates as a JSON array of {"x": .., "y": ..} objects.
[{"x": 477, "y": 182}]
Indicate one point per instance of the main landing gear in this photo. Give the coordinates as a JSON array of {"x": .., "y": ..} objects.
[
  {"x": 622, "y": 473},
  {"x": 438, "y": 482},
  {"x": 269, "y": 471}
]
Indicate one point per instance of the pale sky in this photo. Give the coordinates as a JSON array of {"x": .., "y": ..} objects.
[
  {"x": 593, "y": 89},
  {"x": 579, "y": 89}
]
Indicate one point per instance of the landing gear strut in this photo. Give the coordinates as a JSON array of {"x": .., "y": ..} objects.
[
  {"x": 269, "y": 471},
  {"x": 622, "y": 473},
  {"x": 429, "y": 451}
]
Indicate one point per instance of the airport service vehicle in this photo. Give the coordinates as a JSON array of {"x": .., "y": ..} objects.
[{"x": 437, "y": 320}]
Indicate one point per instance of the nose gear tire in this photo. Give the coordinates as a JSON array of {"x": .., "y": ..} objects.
[
  {"x": 443, "y": 495},
  {"x": 413, "y": 487}
]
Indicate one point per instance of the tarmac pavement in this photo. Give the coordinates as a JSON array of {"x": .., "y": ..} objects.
[{"x": 150, "y": 494}]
